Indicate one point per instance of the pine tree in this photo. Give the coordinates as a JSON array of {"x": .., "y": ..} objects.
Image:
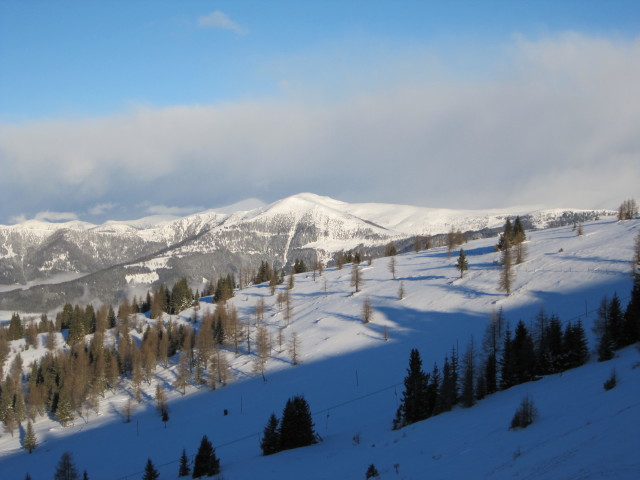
[
  {"x": 523, "y": 354},
  {"x": 462, "y": 263},
  {"x": 30, "y": 440},
  {"x": 64, "y": 412},
  {"x": 574, "y": 346},
  {"x": 206, "y": 463},
  {"x": 296, "y": 426},
  {"x": 150, "y": 472},
  {"x": 184, "y": 469},
  {"x": 270, "y": 442},
  {"x": 606, "y": 345},
  {"x": 413, "y": 406},
  {"x": 507, "y": 370},
  {"x": 66, "y": 469},
  {"x": 372, "y": 472},
  {"x": 16, "y": 330},
  {"x": 468, "y": 376},
  {"x": 616, "y": 322},
  {"x": 631, "y": 325}
]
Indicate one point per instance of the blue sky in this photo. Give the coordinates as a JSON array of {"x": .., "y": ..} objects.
[{"x": 141, "y": 107}]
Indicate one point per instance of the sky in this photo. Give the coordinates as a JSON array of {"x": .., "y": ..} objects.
[{"x": 119, "y": 110}]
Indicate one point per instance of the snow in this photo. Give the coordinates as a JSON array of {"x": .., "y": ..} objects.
[
  {"x": 352, "y": 378},
  {"x": 142, "y": 278}
]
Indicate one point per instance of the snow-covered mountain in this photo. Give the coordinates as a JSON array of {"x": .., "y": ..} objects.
[
  {"x": 46, "y": 264},
  {"x": 352, "y": 378}
]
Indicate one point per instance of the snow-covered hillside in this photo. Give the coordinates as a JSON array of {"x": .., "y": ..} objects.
[{"x": 352, "y": 378}]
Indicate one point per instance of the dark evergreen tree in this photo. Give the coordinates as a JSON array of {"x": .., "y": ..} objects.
[
  {"x": 507, "y": 370},
  {"x": 468, "y": 396},
  {"x": 299, "y": 266},
  {"x": 270, "y": 442},
  {"x": 616, "y": 322},
  {"x": 603, "y": 329},
  {"x": 631, "y": 325},
  {"x": 206, "y": 464},
  {"x": 490, "y": 374},
  {"x": 518, "y": 231},
  {"x": 85, "y": 475},
  {"x": 30, "y": 440},
  {"x": 433, "y": 392},
  {"x": 296, "y": 426},
  {"x": 150, "y": 472},
  {"x": 414, "y": 403},
  {"x": 446, "y": 388},
  {"x": 372, "y": 472},
  {"x": 523, "y": 354},
  {"x": 575, "y": 347},
  {"x": 185, "y": 469},
  {"x": 555, "y": 345},
  {"x": 66, "y": 469},
  {"x": 16, "y": 330},
  {"x": 462, "y": 264}
]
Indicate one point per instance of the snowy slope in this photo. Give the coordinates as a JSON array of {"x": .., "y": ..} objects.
[{"x": 352, "y": 379}]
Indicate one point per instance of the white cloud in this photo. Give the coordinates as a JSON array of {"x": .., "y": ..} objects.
[
  {"x": 218, "y": 19},
  {"x": 556, "y": 124},
  {"x": 17, "y": 219},
  {"x": 102, "y": 208},
  {"x": 56, "y": 216},
  {"x": 179, "y": 211}
]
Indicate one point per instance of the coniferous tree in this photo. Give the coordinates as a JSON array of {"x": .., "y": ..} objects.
[
  {"x": 462, "y": 263},
  {"x": 66, "y": 469},
  {"x": 616, "y": 322},
  {"x": 270, "y": 442},
  {"x": 64, "y": 411},
  {"x": 150, "y": 472},
  {"x": 523, "y": 354},
  {"x": 507, "y": 370},
  {"x": 30, "y": 440},
  {"x": 372, "y": 472},
  {"x": 446, "y": 388},
  {"x": 575, "y": 347},
  {"x": 434, "y": 402},
  {"x": 467, "y": 396},
  {"x": 206, "y": 464},
  {"x": 413, "y": 406},
  {"x": 606, "y": 345},
  {"x": 631, "y": 325},
  {"x": 16, "y": 330},
  {"x": 296, "y": 426},
  {"x": 185, "y": 469}
]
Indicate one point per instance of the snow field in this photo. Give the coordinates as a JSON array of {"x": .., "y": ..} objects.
[{"x": 352, "y": 378}]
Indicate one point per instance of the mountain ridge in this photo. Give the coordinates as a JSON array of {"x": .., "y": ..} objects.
[{"x": 116, "y": 257}]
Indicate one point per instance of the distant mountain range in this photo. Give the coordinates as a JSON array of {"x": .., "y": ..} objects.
[{"x": 43, "y": 265}]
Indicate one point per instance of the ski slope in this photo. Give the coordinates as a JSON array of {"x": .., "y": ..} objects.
[{"x": 352, "y": 378}]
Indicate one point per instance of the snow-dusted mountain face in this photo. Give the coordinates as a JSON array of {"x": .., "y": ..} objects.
[{"x": 43, "y": 265}]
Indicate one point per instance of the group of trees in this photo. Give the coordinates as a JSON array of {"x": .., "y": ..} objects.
[
  {"x": 294, "y": 430},
  {"x": 628, "y": 210},
  {"x": 615, "y": 328},
  {"x": 511, "y": 239},
  {"x": 506, "y": 360}
]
